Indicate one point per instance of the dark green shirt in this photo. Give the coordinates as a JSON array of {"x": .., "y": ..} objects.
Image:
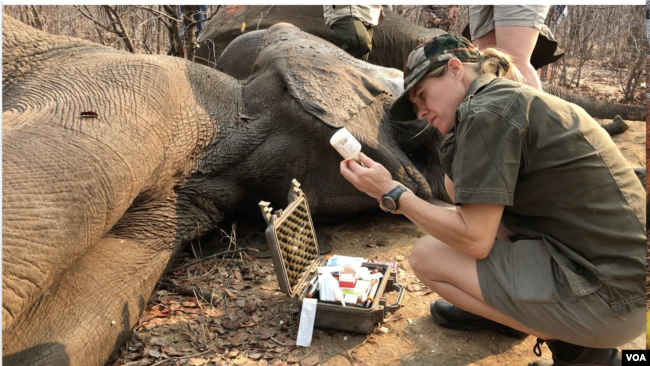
[{"x": 560, "y": 177}]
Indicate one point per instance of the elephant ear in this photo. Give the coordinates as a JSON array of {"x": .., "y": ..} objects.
[{"x": 333, "y": 93}]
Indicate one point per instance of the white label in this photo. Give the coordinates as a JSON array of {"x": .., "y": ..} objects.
[{"x": 306, "y": 325}]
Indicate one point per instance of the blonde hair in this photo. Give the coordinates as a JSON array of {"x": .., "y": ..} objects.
[{"x": 492, "y": 61}]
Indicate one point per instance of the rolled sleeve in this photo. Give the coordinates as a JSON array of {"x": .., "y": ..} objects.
[{"x": 487, "y": 159}]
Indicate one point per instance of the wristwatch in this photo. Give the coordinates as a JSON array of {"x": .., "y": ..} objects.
[{"x": 390, "y": 199}]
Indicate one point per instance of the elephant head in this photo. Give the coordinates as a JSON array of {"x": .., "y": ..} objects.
[{"x": 111, "y": 161}]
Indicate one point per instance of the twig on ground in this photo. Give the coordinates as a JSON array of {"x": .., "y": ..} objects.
[
  {"x": 204, "y": 259},
  {"x": 348, "y": 352},
  {"x": 308, "y": 353},
  {"x": 178, "y": 358},
  {"x": 278, "y": 342}
]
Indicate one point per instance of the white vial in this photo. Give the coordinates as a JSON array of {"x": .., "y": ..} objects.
[{"x": 346, "y": 144}]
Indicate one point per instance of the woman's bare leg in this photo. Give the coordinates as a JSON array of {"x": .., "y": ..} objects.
[{"x": 453, "y": 276}]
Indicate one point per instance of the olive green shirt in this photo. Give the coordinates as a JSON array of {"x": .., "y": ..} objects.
[{"x": 560, "y": 177}]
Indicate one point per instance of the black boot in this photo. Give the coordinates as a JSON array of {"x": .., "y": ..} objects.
[
  {"x": 567, "y": 354},
  {"x": 453, "y": 317}
]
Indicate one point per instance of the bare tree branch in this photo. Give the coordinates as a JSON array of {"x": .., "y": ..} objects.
[
  {"x": 116, "y": 22},
  {"x": 162, "y": 15},
  {"x": 93, "y": 19},
  {"x": 37, "y": 18}
]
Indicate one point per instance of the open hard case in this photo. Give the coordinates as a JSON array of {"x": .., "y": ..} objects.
[{"x": 294, "y": 249}]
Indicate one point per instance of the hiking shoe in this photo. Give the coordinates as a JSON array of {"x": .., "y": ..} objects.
[
  {"x": 567, "y": 354},
  {"x": 453, "y": 317}
]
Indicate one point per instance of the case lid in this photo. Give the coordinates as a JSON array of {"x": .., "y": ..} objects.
[{"x": 291, "y": 238}]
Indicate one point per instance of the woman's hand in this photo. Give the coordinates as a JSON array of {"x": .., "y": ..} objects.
[{"x": 374, "y": 180}]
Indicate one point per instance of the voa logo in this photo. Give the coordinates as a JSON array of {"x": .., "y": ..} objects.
[{"x": 635, "y": 357}]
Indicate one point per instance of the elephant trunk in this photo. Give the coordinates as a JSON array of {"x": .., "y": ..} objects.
[{"x": 597, "y": 108}]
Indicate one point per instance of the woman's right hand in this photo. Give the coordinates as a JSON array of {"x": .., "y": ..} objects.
[{"x": 374, "y": 180}]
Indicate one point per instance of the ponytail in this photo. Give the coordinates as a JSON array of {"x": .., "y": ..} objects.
[{"x": 500, "y": 64}]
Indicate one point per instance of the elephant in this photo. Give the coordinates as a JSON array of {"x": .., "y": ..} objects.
[
  {"x": 112, "y": 161},
  {"x": 393, "y": 40}
]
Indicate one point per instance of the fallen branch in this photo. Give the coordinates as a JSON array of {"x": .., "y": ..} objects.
[{"x": 204, "y": 259}]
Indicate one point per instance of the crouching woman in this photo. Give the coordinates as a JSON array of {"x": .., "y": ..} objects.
[{"x": 544, "y": 179}]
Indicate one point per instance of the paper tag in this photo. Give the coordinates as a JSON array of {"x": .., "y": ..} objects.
[
  {"x": 351, "y": 299},
  {"x": 306, "y": 325}
]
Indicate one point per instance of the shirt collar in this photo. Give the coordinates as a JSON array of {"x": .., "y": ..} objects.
[{"x": 479, "y": 82}]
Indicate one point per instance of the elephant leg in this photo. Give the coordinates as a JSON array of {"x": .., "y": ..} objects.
[
  {"x": 91, "y": 311},
  {"x": 61, "y": 192}
]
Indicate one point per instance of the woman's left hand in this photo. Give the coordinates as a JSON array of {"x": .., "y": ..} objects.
[{"x": 374, "y": 179}]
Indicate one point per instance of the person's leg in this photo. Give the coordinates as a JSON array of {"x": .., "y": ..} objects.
[
  {"x": 368, "y": 42},
  {"x": 516, "y": 31},
  {"x": 519, "y": 42},
  {"x": 354, "y": 36},
  {"x": 481, "y": 26},
  {"x": 453, "y": 276},
  {"x": 488, "y": 40}
]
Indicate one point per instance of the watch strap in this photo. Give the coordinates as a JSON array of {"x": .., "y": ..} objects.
[{"x": 395, "y": 194}]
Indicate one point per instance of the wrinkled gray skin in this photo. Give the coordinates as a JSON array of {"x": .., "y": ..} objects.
[
  {"x": 392, "y": 41},
  {"x": 94, "y": 208}
]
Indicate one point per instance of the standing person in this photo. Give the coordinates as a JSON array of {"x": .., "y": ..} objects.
[
  {"x": 512, "y": 29},
  {"x": 543, "y": 178},
  {"x": 354, "y": 25},
  {"x": 440, "y": 16}
]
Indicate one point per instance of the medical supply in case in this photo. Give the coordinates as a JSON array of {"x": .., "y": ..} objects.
[{"x": 294, "y": 250}]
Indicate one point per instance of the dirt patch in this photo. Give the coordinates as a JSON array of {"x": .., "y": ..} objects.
[{"x": 246, "y": 320}]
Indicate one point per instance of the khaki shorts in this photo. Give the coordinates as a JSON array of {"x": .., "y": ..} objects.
[
  {"x": 522, "y": 280},
  {"x": 483, "y": 18}
]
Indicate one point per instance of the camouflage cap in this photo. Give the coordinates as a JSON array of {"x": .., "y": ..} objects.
[{"x": 434, "y": 53}]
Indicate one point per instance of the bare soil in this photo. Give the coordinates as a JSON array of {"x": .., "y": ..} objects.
[
  {"x": 603, "y": 80},
  {"x": 228, "y": 332}
]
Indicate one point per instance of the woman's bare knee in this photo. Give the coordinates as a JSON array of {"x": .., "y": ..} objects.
[{"x": 423, "y": 258}]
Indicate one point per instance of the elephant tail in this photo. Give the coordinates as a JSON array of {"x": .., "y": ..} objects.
[{"x": 597, "y": 108}]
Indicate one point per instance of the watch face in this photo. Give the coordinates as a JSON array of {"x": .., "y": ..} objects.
[{"x": 388, "y": 203}]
